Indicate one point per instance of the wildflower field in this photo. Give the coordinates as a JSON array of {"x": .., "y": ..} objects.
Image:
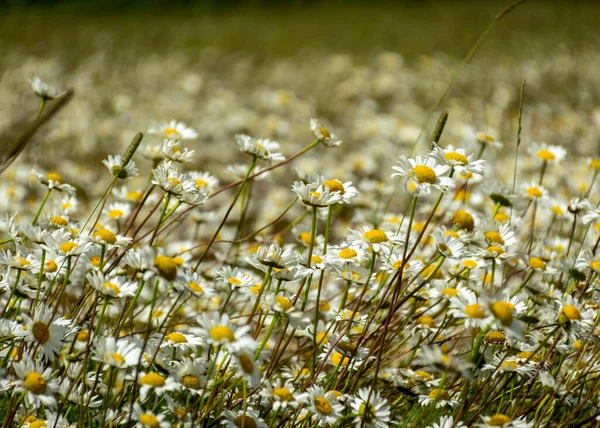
[{"x": 322, "y": 216}]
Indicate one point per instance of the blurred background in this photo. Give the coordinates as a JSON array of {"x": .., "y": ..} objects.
[
  {"x": 371, "y": 70},
  {"x": 283, "y": 27}
]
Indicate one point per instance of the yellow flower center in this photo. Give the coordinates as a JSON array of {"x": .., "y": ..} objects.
[
  {"x": 37, "y": 424},
  {"x": 22, "y": 261},
  {"x": 503, "y": 311},
  {"x": 321, "y": 337},
  {"x": 502, "y": 217},
  {"x": 106, "y": 236},
  {"x": 537, "y": 263},
  {"x": 174, "y": 182},
  {"x": 455, "y": 157},
  {"x": 571, "y": 312},
  {"x": 339, "y": 360},
  {"x": 35, "y": 383},
  {"x": 41, "y": 332},
  {"x": 149, "y": 420},
  {"x": 153, "y": 379},
  {"x": 495, "y": 337},
  {"x": 546, "y": 155},
  {"x": 464, "y": 220},
  {"x": 534, "y": 192},
  {"x": 110, "y": 286},
  {"x": 176, "y": 338},
  {"x": 283, "y": 394},
  {"x": 596, "y": 265},
  {"x": 284, "y": 302},
  {"x": 469, "y": 264},
  {"x": 133, "y": 195},
  {"x": 190, "y": 381},
  {"x": 323, "y": 406},
  {"x": 119, "y": 359},
  {"x": 595, "y": 163},
  {"x": 475, "y": 310},
  {"x": 426, "y": 321},
  {"x": 375, "y": 236},
  {"x": 68, "y": 246},
  {"x": 53, "y": 176},
  {"x": 115, "y": 214},
  {"x": 439, "y": 394},
  {"x": 325, "y": 133},
  {"x": 495, "y": 249},
  {"x": 398, "y": 263},
  {"x": 222, "y": 332},
  {"x": 166, "y": 267},
  {"x": 526, "y": 355},
  {"x": 171, "y": 131},
  {"x": 82, "y": 336},
  {"x": 509, "y": 365},
  {"x": 50, "y": 266},
  {"x": 494, "y": 237},
  {"x": 347, "y": 253},
  {"x": 421, "y": 374},
  {"x": 424, "y": 174},
  {"x": 450, "y": 292},
  {"x": 58, "y": 220},
  {"x": 316, "y": 259},
  {"x": 195, "y": 287},
  {"x": 334, "y": 186},
  {"x": 200, "y": 184},
  {"x": 499, "y": 420}
]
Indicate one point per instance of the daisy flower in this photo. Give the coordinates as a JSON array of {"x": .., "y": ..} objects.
[
  {"x": 53, "y": 180},
  {"x": 448, "y": 245},
  {"x": 156, "y": 383},
  {"x": 104, "y": 236},
  {"x": 458, "y": 159},
  {"x": 172, "y": 150},
  {"x": 43, "y": 90},
  {"x": 205, "y": 182},
  {"x": 120, "y": 354},
  {"x": 248, "y": 418},
  {"x": 466, "y": 305},
  {"x": 218, "y": 330},
  {"x": 283, "y": 395},
  {"x": 324, "y": 408},
  {"x": 447, "y": 422},
  {"x": 190, "y": 373},
  {"x": 173, "y": 130},
  {"x": 372, "y": 412},
  {"x": 316, "y": 196},
  {"x": 117, "y": 169},
  {"x": 534, "y": 192},
  {"x": 425, "y": 174},
  {"x": 35, "y": 381},
  {"x": 322, "y": 134},
  {"x": 439, "y": 397},
  {"x": 262, "y": 148},
  {"x": 149, "y": 419},
  {"x": 48, "y": 335},
  {"x": 113, "y": 286},
  {"x": 373, "y": 239},
  {"x": 503, "y": 421},
  {"x": 547, "y": 153}
]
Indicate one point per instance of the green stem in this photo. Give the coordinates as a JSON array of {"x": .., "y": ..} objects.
[{"x": 41, "y": 207}]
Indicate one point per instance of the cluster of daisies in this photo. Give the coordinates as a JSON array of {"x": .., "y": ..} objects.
[{"x": 440, "y": 296}]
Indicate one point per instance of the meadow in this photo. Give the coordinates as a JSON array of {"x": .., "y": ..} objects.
[{"x": 316, "y": 215}]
